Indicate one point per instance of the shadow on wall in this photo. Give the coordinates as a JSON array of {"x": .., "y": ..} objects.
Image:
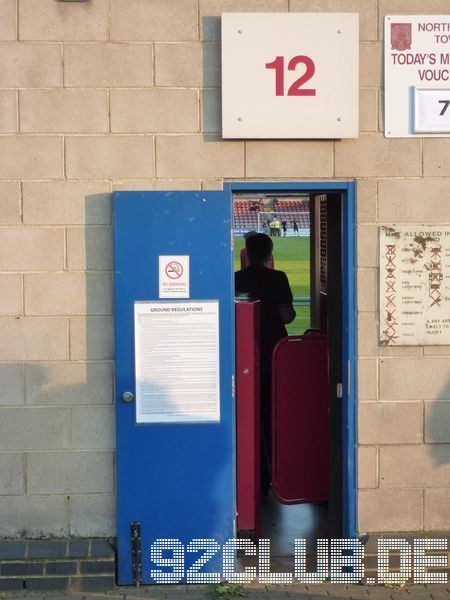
[
  {"x": 92, "y": 365},
  {"x": 211, "y": 93},
  {"x": 437, "y": 438},
  {"x": 93, "y": 345},
  {"x": 437, "y": 427},
  {"x": 57, "y": 430}
]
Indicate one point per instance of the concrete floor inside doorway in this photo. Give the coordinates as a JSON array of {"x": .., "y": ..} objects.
[{"x": 282, "y": 524}]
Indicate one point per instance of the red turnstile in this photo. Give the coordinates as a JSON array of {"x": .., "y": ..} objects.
[
  {"x": 300, "y": 419},
  {"x": 248, "y": 416}
]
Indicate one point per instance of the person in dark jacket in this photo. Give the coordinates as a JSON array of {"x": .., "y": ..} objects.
[{"x": 271, "y": 287}]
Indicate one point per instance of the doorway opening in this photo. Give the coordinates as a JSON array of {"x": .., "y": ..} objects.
[{"x": 312, "y": 226}]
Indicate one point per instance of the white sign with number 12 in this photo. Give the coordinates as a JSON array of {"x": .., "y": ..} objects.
[{"x": 290, "y": 75}]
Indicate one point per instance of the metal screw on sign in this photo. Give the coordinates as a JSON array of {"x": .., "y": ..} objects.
[{"x": 127, "y": 396}]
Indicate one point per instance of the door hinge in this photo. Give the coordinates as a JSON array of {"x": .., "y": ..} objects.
[
  {"x": 136, "y": 559},
  {"x": 339, "y": 390}
]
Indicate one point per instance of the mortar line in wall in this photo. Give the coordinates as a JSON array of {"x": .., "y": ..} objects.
[
  {"x": 70, "y": 429},
  {"x": 114, "y": 480},
  {"x": 378, "y": 20},
  {"x": 25, "y": 471},
  {"x": 198, "y": 22},
  {"x": 24, "y": 383},
  {"x": 154, "y": 158},
  {"x": 17, "y": 20},
  {"x": 153, "y": 64},
  {"x": 333, "y": 161},
  {"x": 377, "y": 464},
  {"x": 377, "y": 110},
  {"x": 421, "y": 156},
  {"x": 21, "y": 201},
  {"x": 378, "y": 369},
  {"x": 108, "y": 101},
  {"x": 377, "y": 217},
  {"x": 423, "y": 509},
  {"x": 108, "y": 21},
  {"x": 18, "y": 111},
  {"x": 22, "y": 283},
  {"x": 68, "y": 513},
  {"x": 64, "y": 159},
  {"x": 423, "y": 422},
  {"x": 69, "y": 357},
  {"x": 66, "y": 241},
  {"x": 62, "y": 65},
  {"x": 200, "y": 96},
  {"x": 104, "y": 134},
  {"x": 104, "y": 451}
]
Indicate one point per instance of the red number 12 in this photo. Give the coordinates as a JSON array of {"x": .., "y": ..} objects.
[{"x": 296, "y": 88}]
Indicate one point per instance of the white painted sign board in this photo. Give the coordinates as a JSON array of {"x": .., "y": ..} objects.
[
  {"x": 290, "y": 75},
  {"x": 415, "y": 285},
  {"x": 177, "y": 366},
  {"x": 431, "y": 111},
  {"x": 417, "y": 75},
  {"x": 174, "y": 276}
]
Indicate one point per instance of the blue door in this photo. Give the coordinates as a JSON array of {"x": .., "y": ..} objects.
[{"x": 175, "y": 442}]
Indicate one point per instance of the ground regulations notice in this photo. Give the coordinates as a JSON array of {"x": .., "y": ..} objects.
[
  {"x": 177, "y": 361},
  {"x": 415, "y": 285}
]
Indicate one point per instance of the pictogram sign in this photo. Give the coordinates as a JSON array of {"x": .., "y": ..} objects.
[
  {"x": 174, "y": 276},
  {"x": 414, "y": 285},
  {"x": 174, "y": 269}
]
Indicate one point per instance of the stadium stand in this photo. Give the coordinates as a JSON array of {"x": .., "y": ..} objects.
[{"x": 252, "y": 214}]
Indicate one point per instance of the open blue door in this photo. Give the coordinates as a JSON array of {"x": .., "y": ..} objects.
[{"x": 174, "y": 313}]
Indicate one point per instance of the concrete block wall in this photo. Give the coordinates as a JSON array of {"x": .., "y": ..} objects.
[{"x": 125, "y": 94}]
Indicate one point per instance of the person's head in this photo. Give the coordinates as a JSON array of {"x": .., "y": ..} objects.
[
  {"x": 249, "y": 234},
  {"x": 259, "y": 248}
]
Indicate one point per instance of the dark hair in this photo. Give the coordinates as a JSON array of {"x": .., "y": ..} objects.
[{"x": 259, "y": 248}]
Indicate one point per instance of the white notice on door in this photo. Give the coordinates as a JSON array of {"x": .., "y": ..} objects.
[{"x": 177, "y": 361}]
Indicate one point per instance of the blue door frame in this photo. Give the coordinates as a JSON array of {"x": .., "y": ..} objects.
[{"x": 348, "y": 190}]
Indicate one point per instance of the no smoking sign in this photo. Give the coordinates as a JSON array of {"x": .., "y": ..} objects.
[
  {"x": 174, "y": 276},
  {"x": 174, "y": 269}
]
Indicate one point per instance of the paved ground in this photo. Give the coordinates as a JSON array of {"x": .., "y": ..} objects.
[{"x": 256, "y": 592}]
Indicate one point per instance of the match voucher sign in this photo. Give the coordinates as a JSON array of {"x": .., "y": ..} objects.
[{"x": 417, "y": 75}]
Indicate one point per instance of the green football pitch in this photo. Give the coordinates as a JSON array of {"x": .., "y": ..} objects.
[{"x": 291, "y": 255}]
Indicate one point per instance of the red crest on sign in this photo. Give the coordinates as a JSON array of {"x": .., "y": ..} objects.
[{"x": 401, "y": 35}]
